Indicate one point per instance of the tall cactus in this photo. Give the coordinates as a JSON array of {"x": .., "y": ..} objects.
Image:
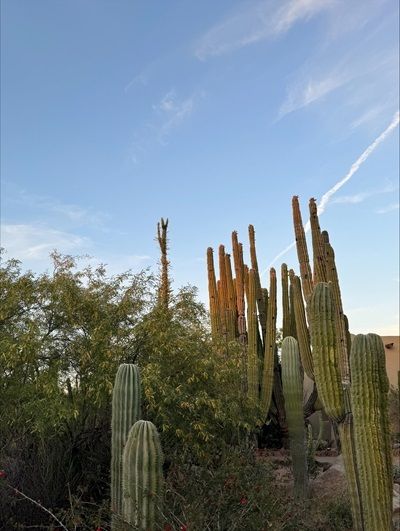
[
  {"x": 269, "y": 349},
  {"x": 252, "y": 355},
  {"x": 369, "y": 388},
  {"x": 213, "y": 296},
  {"x": 325, "y": 353},
  {"x": 142, "y": 476},
  {"x": 126, "y": 410},
  {"x": 292, "y": 380}
]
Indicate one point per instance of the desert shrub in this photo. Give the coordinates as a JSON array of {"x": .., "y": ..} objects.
[{"x": 192, "y": 386}]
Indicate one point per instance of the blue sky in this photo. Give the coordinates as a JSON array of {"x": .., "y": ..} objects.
[{"x": 212, "y": 114}]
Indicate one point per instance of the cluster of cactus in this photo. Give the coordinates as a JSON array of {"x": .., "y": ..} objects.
[
  {"x": 136, "y": 457},
  {"x": 350, "y": 381},
  {"x": 350, "y": 377},
  {"x": 255, "y": 330}
]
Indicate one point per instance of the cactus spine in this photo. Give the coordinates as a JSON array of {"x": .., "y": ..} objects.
[
  {"x": 369, "y": 390},
  {"x": 142, "y": 476},
  {"x": 292, "y": 379},
  {"x": 126, "y": 410}
]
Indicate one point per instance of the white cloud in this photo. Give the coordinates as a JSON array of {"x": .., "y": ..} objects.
[
  {"x": 36, "y": 242},
  {"x": 388, "y": 208},
  {"x": 254, "y": 22},
  {"x": 32, "y": 244}
]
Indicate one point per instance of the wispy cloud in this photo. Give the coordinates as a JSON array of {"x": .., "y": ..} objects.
[
  {"x": 254, "y": 22},
  {"x": 172, "y": 113},
  {"x": 367, "y": 116},
  {"x": 167, "y": 115},
  {"x": 362, "y": 196},
  {"x": 303, "y": 94},
  {"x": 326, "y": 198},
  {"x": 388, "y": 208},
  {"x": 76, "y": 214},
  {"x": 139, "y": 79}
]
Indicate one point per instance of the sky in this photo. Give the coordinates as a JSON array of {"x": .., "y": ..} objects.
[{"x": 213, "y": 115}]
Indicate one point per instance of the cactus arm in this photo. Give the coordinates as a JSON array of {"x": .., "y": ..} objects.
[
  {"x": 285, "y": 301},
  {"x": 317, "y": 244},
  {"x": 215, "y": 316},
  {"x": 302, "y": 252},
  {"x": 231, "y": 318},
  {"x": 252, "y": 354},
  {"x": 324, "y": 349},
  {"x": 240, "y": 301},
  {"x": 260, "y": 299},
  {"x": 292, "y": 380},
  {"x": 332, "y": 277},
  {"x": 269, "y": 352},
  {"x": 303, "y": 334}
]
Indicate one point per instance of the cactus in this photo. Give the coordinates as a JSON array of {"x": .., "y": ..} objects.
[
  {"x": 231, "y": 313},
  {"x": 369, "y": 388},
  {"x": 260, "y": 299},
  {"x": 213, "y": 296},
  {"x": 292, "y": 379},
  {"x": 325, "y": 353},
  {"x": 126, "y": 406},
  {"x": 142, "y": 476},
  {"x": 318, "y": 245},
  {"x": 165, "y": 286},
  {"x": 238, "y": 264},
  {"x": 252, "y": 355},
  {"x": 302, "y": 252},
  {"x": 269, "y": 352},
  {"x": 285, "y": 301},
  {"x": 303, "y": 334}
]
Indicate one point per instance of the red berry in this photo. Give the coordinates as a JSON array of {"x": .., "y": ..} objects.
[
  {"x": 3, "y": 474},
  {"x": 244, "y": 501},
  {"x": 183, "y": 527}
]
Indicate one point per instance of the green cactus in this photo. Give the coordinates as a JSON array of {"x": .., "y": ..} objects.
[
  {"x": 303, "y": 334},
  {"x": 292, "y": 380},
  {"x": 285, "y": 301},
  {"x": 269, "y": 352},
  {"x": 252, "y": 355},
  {"x": 142, "y": 477},
  {"x": 325, "y": 352},
  {"x": 126, "y": 410},
  {"x": 369, "y": 388},
  {"x": 260, "y": 299}
]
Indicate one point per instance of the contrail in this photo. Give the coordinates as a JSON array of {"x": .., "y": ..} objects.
[{"x": 325, "y": 199}]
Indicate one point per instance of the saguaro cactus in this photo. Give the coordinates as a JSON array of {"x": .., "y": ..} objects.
[
  {"x": 292, "y": 380},
  {"x": 142, "y": 476},
  {"x": 369, "y": 388},
  {"x": 126, "y": 410}
]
